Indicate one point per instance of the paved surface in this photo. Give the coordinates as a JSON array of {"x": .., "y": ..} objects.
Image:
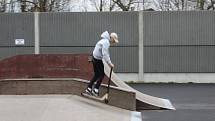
[
  {"x": 59, "y": 108},
  {"x": 193, "y": 102}
]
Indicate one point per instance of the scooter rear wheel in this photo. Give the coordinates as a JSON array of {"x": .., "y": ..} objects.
[{"x": 106, "y": 101}]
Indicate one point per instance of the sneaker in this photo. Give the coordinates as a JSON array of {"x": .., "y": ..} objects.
[
  {"x": 88, "y": 91},
  {"x": 95, "y": 92}
]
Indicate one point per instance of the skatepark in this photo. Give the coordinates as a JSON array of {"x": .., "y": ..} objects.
[
  {"x": 51, "y": 98},
  {"x": 164, "y": 66},
  {"x": 54, "y": 99},
  {"x": 51, "y": 80}
]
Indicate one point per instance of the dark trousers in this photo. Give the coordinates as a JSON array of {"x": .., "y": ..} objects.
[{"x": 99, "y": 74}]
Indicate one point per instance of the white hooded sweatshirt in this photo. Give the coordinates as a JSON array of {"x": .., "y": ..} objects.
[{"x": 101, "y": 50}]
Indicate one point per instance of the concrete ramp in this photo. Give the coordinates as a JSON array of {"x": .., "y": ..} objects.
[
  {"x": 74, "y": 86},
  {"x": 60, "y": 108},
  {"x": 36, "y": 68},
  {"x": 150, "y": 102}
]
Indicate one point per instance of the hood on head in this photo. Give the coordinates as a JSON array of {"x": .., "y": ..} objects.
[{"x": 105, "y": 35}]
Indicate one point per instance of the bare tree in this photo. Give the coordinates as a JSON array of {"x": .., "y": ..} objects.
[
  {"x": 166, "y": 5},
  {"x": 27, "y": 5},
  {"x": 3, "y": 5},
  {"x": 43, "y": 5},
  {"x": 180, "y": 4},
  {"x": 211, "y": 5},
  {"x": 112, "y": 6},
  {"x": 123, "y": 6},
  {"x": 126, "y": 5},
  {"x": 59, "y": 5},
  {"x": 95, "y": 4},
  {"x": 102, "y": 5},
  {"x": 200, "y": 4},
  {"x": 12, "y": 5}
]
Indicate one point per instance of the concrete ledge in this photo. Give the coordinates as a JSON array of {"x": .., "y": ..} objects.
[
  {"x": 118, "y": 97},
  {"x": 169, "y": 77},
  {"x": 180, "y": 77}
]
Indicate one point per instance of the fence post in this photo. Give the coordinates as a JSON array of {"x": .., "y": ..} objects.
[
  {"x": 36, "y": 33},
  {"x": 140, "y": 22}
]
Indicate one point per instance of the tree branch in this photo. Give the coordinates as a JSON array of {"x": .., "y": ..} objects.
[
  {"x": 26, "y": 1},
  {"x": 121, "y": 5}
]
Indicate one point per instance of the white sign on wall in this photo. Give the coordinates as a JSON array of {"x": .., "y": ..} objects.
[{"x": 19, "y": 41}]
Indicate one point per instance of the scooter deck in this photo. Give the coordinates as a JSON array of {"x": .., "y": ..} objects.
[{"x": 103, "y": 98}]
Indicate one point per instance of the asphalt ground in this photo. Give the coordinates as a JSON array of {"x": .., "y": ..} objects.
[{"x": 193, "y": 102}]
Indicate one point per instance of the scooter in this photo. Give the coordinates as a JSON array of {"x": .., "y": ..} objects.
[{"x": 105, "y": 97}]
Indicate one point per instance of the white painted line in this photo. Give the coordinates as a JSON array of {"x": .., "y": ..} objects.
[{"x": 136, "y": 116}]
